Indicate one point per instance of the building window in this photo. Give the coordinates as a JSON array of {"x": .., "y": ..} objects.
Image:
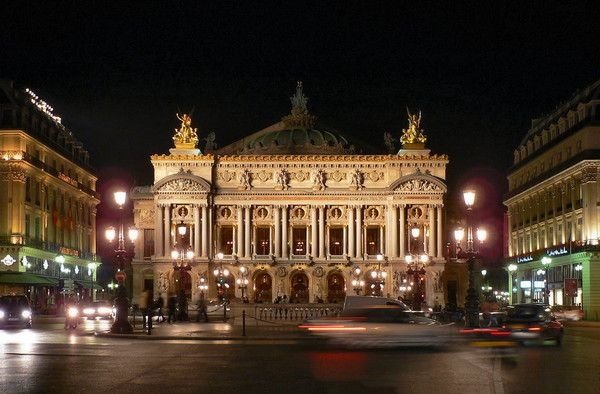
[
  {"x": 373, "y": 241},
  {"x": 336, "y": 239},
  {"x": 37, "y": 228},
  {"x": 299, "y": 241},
  {"x": 263, "y": 241},
  {"x": 28, "y": 189},
  {"x": 27, "y": 226},
  {"x": 226, "y": 240},
  {"x": 148, "y": 242}
]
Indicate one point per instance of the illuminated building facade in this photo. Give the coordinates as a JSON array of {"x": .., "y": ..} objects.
[
  {"x": 47, "y": 203},
  {"x": 554, "y": 207},
  {"x": 295, "y": 211}
]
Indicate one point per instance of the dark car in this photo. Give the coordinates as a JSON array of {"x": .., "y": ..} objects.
[
  {"x": 98, "y": 309},
  {"x": 15, "y": 310},
  {"x": 533, "y": 323}
]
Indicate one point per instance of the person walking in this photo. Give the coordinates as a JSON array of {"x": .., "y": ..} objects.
[
  {"x": 143, "y": 306},
  {"x": 172, "y": 308},
  {"x": 202, "y": 309},
  {"x": 160, "y": 304}
]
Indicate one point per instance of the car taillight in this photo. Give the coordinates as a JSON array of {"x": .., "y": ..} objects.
[{"x": 535, "y": 328}]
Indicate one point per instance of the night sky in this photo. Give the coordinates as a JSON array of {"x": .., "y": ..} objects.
[{"x": 117, "y": 72}]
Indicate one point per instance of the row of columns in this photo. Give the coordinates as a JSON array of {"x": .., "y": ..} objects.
[{"x": 353, "y": 232}]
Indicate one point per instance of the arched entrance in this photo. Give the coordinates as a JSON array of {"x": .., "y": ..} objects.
[
  {"x": 263, "y": 292},
  {"x": 183, "y": 280},
  {"x": 335, "y": 287},
  {"x": 299, "y": 288}
]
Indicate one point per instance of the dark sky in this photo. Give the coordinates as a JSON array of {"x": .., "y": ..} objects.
[{"x": 118, "y": 71}]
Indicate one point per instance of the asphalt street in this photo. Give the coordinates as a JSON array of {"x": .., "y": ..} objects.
[{"x": 49, "y": 359}]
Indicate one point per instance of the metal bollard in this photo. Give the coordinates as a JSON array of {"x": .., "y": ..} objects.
[
  {"x": 244, "y": 323},
  {"x": 149, "y": 321}
]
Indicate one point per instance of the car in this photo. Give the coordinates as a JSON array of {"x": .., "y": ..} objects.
[
  {"x": 567, "y": 312},
  {"x": 381, "y": 326},
  {"x": 15, "y": 310},
  {"x": 98, "y": 309},
  {"x": 352, "y": 302},
  {"x": 533, "y": 323}
]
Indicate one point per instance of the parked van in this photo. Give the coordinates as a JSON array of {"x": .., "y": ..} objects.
[{"x": 360, "y": 302}]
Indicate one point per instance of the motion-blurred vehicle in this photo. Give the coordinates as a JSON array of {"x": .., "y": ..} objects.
[
  {"x": 533, "y": 323},
  {"x": 353, "y": 302},
  {"x": 381, "y": 326},
  {"x": 15, "y": 310},
  {"x": 98, "y": 309},
  {"x": 72, "y": 317},
  {"x": 567, "y": 312}
]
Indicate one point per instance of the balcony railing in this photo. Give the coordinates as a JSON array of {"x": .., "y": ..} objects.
[{"x": 292, "y": 313}]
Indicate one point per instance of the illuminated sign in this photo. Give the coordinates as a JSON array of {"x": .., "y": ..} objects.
[
  {"x": 525, "y": 284},
  {"x": 8, "y": 260},
  {"x": 539, "y": 284},
  {"x": 69, "y": 251},
  {"x": 524, "y": 259},
  {"x": 557, "y": 252}
]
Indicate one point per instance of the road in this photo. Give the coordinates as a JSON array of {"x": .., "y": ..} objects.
[{"x": 49, "y": 359}]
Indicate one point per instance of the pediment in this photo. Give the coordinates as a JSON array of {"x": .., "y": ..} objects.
[
  {"x": 182, "y": 182},
  {"x": 420, "y": 183}
]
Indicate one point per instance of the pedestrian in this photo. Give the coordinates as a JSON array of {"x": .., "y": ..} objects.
[
  {"x": 172, "y": 308},
  {"x": 143, "y": 306},
  {"x": 160, "y": 304},
  {"x": 202, "y": 308}
]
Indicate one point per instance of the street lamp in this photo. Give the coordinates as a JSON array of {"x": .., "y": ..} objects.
[
  {"x": 416, "y": 269},
  {"x": 357, "y": 283},
  {"x": 472, "y": 299},
  {"x": 242, "y": 282},
  {"x": 546, "y": 263},
  {"x": 182, "y": 258},
  {"x": 511, "y": 269},
  {"x": 221, "y": 275},
  {"x": 92, "y": 273},
  {"x": 121, "y": 258},
  {"x": 378, "y": 277}
]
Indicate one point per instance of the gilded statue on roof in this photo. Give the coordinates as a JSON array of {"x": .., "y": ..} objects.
[
  {"x": 413, "y": 135},
  {"x": 185, "y": 137}
]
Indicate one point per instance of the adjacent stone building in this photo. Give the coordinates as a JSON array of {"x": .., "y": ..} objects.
[
  {"x": 47, "y": 203},
  {"x": 554, "y": 207}
]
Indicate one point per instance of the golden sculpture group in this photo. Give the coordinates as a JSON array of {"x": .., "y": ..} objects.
[
  {"x": 413, "y": 136},
  {"x": 185, "y": 137}
]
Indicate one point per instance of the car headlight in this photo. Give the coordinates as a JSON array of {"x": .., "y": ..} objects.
[
  {"x": 26, "y": 314},
  {"x": 88, "y": 311},
  {"x": 103, "y": 310},
  {"x": 72, "y": 312},
  {"x": 1, "y": 314}
]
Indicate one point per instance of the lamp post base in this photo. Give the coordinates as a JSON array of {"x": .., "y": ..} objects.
[
  {"x": 121, "y": 324},
  {"x": 472, "y": 300}
]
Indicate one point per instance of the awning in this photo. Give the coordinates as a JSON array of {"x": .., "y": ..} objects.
[
  {"x": 26, "y": 278},
  {"x": 88, "y": 285}
]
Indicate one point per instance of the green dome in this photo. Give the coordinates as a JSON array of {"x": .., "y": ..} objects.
[{"x": 298, "y": 141}]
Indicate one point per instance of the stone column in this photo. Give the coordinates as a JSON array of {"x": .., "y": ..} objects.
[
  {"x": 247, "y": 232},
  {"x": 284, "y": 233},
  {"x": 167, "y": 232},
  {"x": 402, "y": 232},
  {"x": 393, "y": 237},
  {"x": 197, "y": 230},
  {"x": 321, "y": 232},
  {"x": 382, "y": 244},
  {"x": 351, "y": 232},
  {"x": 439, "y": 253},
  {"x": 313, "y": 229},
  {"x": 431, "y": 248},
  {"x": 345, "y": 241},
  {"x": 277, "y": 219},
  {"x": 240, "y": 232},
  {"x": 359, "y": 236},
  {"x": 93, "y": 226},
  {"x": 211, "y": 248},
  {"x": 205, "y": 238},
  {"x": 158, "y": 225}
]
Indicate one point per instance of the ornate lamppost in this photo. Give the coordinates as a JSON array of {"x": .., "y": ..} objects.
[
  {"x": 357, "y": 283},
  {"x": 378, "y": 277},
  {"x": 121, "y": 258},
  {"x": 416, "y": 264},
  {"x": 221, "y": 275},
  {"x": 546, "y": 263},
  {"x": 182, "y": 257},
  {"x": 471, "y": 253},
  {"x": 242, "y": 282},
  {"x": 92, "y": 273},
  {"x": 512, "y": 268}
]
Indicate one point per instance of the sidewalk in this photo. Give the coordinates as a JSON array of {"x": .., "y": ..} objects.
[{"x": 192, "y": 330}]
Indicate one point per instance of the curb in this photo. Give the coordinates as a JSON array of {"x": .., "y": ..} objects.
[{"x": 202, "y": 338}]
